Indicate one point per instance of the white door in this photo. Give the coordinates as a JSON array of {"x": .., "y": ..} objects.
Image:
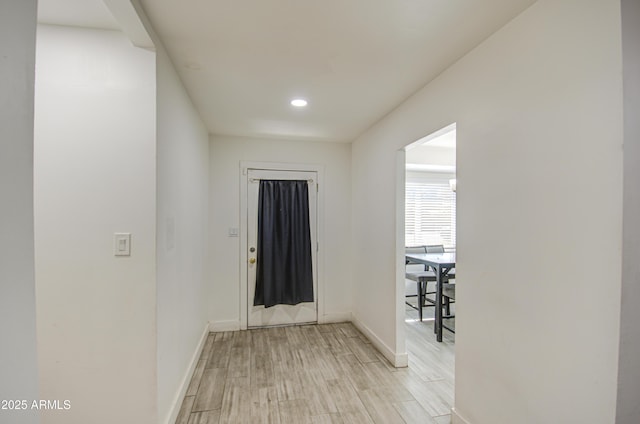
[{"x": 259, "y": 316}]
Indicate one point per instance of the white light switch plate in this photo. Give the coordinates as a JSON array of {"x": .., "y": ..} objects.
[{"x": 122, "y": 244}]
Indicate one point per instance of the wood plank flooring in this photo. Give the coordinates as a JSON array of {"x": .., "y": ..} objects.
[{"x": 319, "y": 374}]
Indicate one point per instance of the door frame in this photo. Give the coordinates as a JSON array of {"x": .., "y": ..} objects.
[{"x": 274, "y": 166}]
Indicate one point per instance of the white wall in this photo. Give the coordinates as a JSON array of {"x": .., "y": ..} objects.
[
  {"x": 226, "y": 154},
  {"x": 183, "y": 280},
  {"x": 628, "y": 411},
  {"x": 422, "y": 175},
  {"x": 538, "y": 109},
  {"x": 425, "y": 154},
  {"x": 18, "y": 362},
  {"x": 95, "y": 123}
]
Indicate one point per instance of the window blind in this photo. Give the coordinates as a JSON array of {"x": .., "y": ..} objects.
[{"x": 430, "y": 213}]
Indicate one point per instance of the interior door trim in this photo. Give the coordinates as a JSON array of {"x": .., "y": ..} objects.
[{"x": 242, "y": 283}]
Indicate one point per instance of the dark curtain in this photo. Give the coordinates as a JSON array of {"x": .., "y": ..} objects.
[{"x": 283, "y": 274}]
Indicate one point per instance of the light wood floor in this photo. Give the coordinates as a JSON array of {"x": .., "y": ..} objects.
[{"x": 319, "y": 374}]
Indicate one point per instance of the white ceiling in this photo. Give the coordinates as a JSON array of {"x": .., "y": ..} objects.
[
  {"x": 242, "y": 61},
  {"x": 82, "y": 13}
]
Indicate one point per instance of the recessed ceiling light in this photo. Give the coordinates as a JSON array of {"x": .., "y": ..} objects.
[{"x": 298, "y": 102}]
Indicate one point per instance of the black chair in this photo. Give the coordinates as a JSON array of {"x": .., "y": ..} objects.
[
  {"x": 439, "y": 248},
  {"x": 422, "y": 276},
  {"x": 448, "y": 288},
  {"x": 448, "y": 297},
  {"x": 434, "y": 248}
]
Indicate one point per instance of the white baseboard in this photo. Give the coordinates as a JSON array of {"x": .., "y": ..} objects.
[
  {"x": 398, "y": 360},
  {"x": 456, "y": 418},
  {"x": 402, "y": 360},
  {"x": 186, "y": 379},
  {"x": 220, "y": 326},
  {"x": 335, "y": 318}
]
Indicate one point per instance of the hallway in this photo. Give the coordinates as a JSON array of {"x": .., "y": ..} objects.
[{"x": 319, "y": 374}]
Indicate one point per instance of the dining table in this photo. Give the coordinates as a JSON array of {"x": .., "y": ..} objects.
[{"x": 442, "y": 264}]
